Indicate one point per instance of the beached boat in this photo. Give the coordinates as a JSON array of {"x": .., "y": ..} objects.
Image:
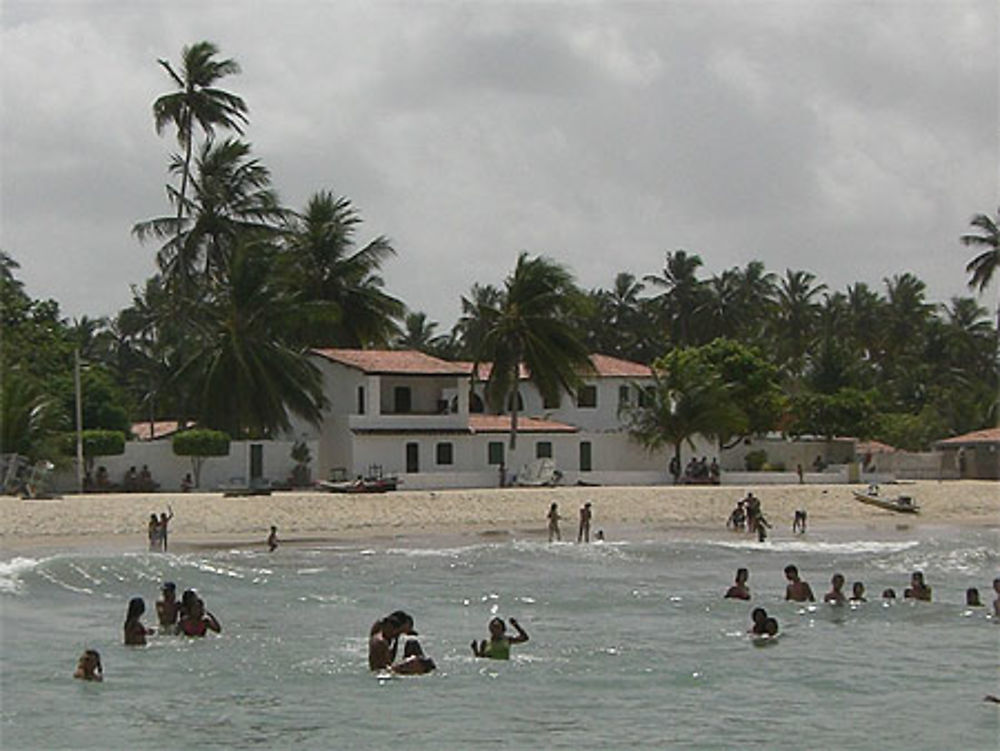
[
  {"x": 901, "y": 503},
  {"x": 361, "y": 485}
]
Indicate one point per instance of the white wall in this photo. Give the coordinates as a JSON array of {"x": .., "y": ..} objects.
[{"x": 168, "y": 469}]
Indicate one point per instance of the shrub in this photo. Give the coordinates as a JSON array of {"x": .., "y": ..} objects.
[
  {"x": 755, "y": 460},
  {"x": 199, "y": 445}
]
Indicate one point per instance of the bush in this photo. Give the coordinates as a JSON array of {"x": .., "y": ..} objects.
[
  {"x": 199, "y": 445},
  {"x": 95, "y": 443},
  {"x": 755, "y": 460}
]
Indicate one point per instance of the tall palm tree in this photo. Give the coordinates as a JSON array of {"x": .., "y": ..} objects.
[
  {"x": 682, "y": 295},
  {"x": 247, "y": 378},
  {"x": 797, "y": 313},
  {"x": 418, "y": 333},
  {"x": 984, "y": 265},
  {"x": 532, "y": 328},
  {"x": 232, "y": 195},
  {"x": 197, "y": 100},
  {"x": 478, "y": 311},
  {"x": 321, "y": 263}
]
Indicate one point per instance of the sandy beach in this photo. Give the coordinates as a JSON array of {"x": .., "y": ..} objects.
[{"x": 303, "y": 517}]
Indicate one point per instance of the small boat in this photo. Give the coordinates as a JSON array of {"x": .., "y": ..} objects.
[
  {"x": 368, "y": 485},
  {"x": 901, "y": 503}
]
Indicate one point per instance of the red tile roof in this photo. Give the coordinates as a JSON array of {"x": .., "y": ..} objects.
[
  {"x": 160, "y": 429},
  {"x": 501, "y": 424},
  {"x": 394, "y": 362},
  {"x": 873, "y": 447},
  {"x": 605, "y": 366},
  {"x": 988, "y": 435}
]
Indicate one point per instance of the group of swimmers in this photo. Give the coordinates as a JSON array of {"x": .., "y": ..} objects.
[
  {"x": 384, "y": 635},
  {"x": 800, "y": 591},
  {"x": 187, "y": 617}
]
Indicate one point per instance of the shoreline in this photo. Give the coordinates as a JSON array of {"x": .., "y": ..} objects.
[{"x": 424, "y": 518}]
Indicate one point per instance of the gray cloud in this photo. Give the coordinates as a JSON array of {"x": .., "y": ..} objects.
[{"x": 853, "y": 140}]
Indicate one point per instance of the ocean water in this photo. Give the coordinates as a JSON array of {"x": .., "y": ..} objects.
[{"x": 631, "y": 645}]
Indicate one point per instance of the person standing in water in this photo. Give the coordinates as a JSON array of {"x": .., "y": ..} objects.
[
  {"x": 272, "y": 539},
  {"x": 836, "y": 594},
  {"x": 168, "y": 608},
  {"x": 553, "y": 517},
  {"x": 164, "y": 521},
  {"x": 498, "y": 646},
  {"x": 739, "y": 590},
  {"x": 797, "y": 590},
  {"x": 918, "y": 589},
  {"x": 583, "y": 535},
  {"x": 135, "y": 632},
  {"x": 383, "y": 638}
]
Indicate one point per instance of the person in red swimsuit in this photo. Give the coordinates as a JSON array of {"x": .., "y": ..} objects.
[{"x": 197, "y": 621}]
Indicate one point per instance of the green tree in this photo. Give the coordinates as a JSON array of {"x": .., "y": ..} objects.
[
  {"x": 197, "y": 100},
  {"x": 531, "y": 327},
  {"x": 418, "y": 333},
  {"x": 322, "y": 263},
  {"x": 687, "y": 399},
  {"x": 848, "y": 412},
  {"x": 95, "y": 443},
  {"x": 796, "y": 318},
  {"x": 246, "y": 378},
  {"x": 985, "y": 264},
  {"x": 683, "y": 295},
  {"x": 200, "y": 444}
]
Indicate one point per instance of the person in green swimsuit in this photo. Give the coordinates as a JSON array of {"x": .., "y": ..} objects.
[{"x": 498, "y": 646}]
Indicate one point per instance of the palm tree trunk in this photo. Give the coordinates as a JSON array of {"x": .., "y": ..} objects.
[{"x": 513, "y": 418}]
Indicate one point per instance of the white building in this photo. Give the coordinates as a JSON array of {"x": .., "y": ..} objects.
[{"x": 410, "y": 414}]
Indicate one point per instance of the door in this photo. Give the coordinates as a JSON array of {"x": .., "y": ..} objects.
[
  {"x": 412, "y": 457},
  {"x": 256, "y": 464}
]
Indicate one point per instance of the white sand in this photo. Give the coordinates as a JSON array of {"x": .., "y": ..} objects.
[{"x": 203, "y": 518}]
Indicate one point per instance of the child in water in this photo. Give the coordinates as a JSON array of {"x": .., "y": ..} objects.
[
  {"x": 836, "y": 594},
  {"x": 414, "y": 661},
  {"x": 89, "y": 666},
  {"x": 135, "y": 632},
  {"x": 498, "y": 646},
  {"x": 195, "y": 620}
]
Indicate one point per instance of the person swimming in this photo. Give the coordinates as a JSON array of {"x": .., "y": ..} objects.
[
  {"x": 498, "y": 646},
  {"x": 797, "y": 590},
  {"x": 771, "y": 627},
  {"x": 383, "y": 638},
  {"x": 168, "y": 609},
  {"x": 972, "y": 598},
  {"x": 836, "y": 594},
  {"x": 758, "y": 621},
  {"x": 888, "y": 593},
  {"x": 858, "y": 592},
  {"x": 88, "y": 667},
  {"x": 918, "y": 589},
  {"x": 196, "y": 621},
  {"x": 414, "y": 661},
  {"x": 739, "y": 590},
  {"x": 135, "y": 632}
]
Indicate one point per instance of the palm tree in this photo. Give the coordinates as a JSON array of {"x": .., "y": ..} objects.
[
  {"x": 247, "y": 378},
  {"x": 682, "y": 295},
  {"x": 797, "y": 314},
  {"x": 531, "y": 327},
  {"x": 197, "y": 100},
  {"x": 478, "y": 310},
  {"x": 984, "y": 265},
  {"x": 320, "y": 262},
  {"x": 686, "y": 399},
  {"x": 418, "y": 333},
  {"x": 232, "y": 195}
]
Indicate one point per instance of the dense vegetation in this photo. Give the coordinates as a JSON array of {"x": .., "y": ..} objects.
[{"x": 245, "y": 286}]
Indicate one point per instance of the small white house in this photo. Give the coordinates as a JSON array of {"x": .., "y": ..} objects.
[{"x": 409, "y": 414}]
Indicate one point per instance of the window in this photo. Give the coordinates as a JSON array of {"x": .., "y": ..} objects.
[
  {"x": 552, "y": 403},
  {"x": 587, "y": 396},
  {"x": 647, "y": 396},
  {"x": 361, "y": 400},
  {"x": 402, "y": 400},
  {"x": 586, "y": 459},
  {"x": 412, "y": 457},
  {"x": 445, "y": 453},
  {"x": 543, "y": 450},
  {"x": 494, "y": 453},
  {"x": 623, "y": 396}
]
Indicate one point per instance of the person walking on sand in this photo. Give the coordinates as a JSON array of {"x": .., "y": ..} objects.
[
  {"x": 583, "y": 535},
  {"x": 797, "y": 590},
  {"x": 153, "y": 531},
  {"x": 272, "y": 539},
  {"x": 799, "y": 522},
  {"x": 164, "y": 521},
  {"x": 553, "y": 517}
]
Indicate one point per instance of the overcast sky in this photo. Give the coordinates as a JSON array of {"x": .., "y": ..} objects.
[{"x": 851, "y": 139}]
